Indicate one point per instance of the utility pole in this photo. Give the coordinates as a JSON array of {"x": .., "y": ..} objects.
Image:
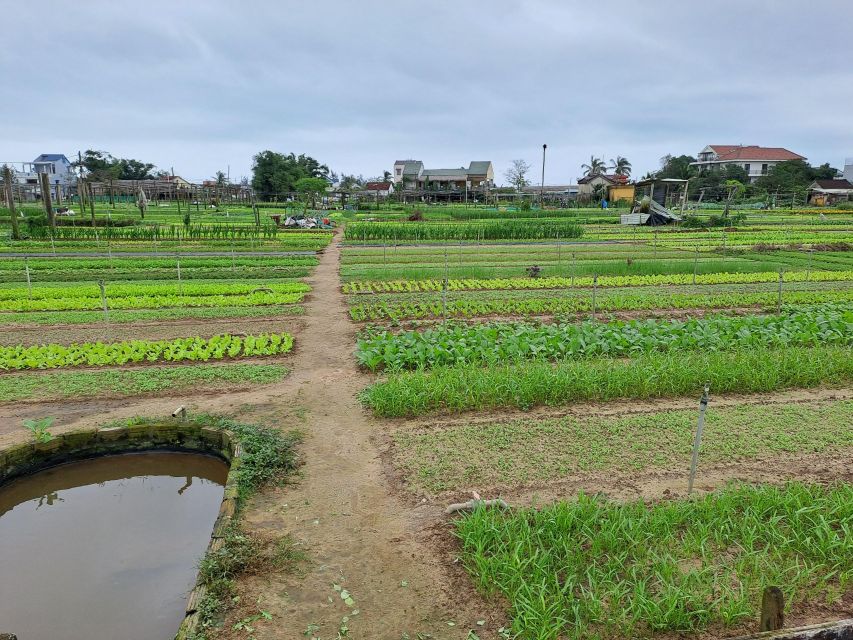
[{"x": 542, "y": 187}]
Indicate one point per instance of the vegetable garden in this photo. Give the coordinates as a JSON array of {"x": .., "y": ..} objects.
[
  {"x": 548, "y": 364},
  {"x": 469, "y": 322}
]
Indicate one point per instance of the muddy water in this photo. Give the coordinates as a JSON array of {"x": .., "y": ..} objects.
[{"x": 105, "y": 548}]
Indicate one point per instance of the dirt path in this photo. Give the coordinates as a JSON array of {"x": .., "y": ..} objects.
[{"x": 357, "y": 532}]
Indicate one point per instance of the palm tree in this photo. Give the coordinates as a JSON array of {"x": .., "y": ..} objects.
[
  {"x": 621, "y": 166},
  {"x": 596, "y": 165}
]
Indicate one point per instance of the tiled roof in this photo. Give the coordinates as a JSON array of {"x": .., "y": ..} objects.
[
  {"x": 411, "y": 167},
  {"x": 610, "y": 178},
  {"x": 51, "y": 157},
  {"x": 455, "y": 173},
  {"x": 377, "y": 186},
  {"x": 834, "y": 184},
  {"x": 731, "y": 152},
  {"x": 479, "y": 167}
]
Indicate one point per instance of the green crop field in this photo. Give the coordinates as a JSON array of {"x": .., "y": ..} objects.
[{"x": 512, "y": 354}]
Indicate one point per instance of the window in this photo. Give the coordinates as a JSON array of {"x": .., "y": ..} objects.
[
  {"x": 764, "y": 169},
  {"x": 746, "y": 167},
  {"x": 399, "y": 171}
]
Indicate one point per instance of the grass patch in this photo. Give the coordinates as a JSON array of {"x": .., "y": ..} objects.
[
  {"x": 596, "y": 569},
  {"x": 525, "y": 451},
  {"x": 82, "y": 384},
  {"x": 649, "y": 375}
]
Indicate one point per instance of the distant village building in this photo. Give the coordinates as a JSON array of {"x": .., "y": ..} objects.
[
  {"x": 379, "y": 188},
  {"x": 587, "y": 184},
  {"x": 826, "y": 192},
  {"x": 58, "y": 168},
  {"x": 411, "y": 175},
  {"x": 756, "y": 161}
]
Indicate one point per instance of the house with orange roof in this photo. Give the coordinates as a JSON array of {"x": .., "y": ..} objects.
[{"x": 756, "y": 161}]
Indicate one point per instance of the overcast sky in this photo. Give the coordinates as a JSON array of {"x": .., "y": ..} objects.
[{"x": 202, "y": 84}]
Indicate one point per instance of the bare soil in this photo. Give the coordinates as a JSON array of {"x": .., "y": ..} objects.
[{"x": 163, "y": 330}]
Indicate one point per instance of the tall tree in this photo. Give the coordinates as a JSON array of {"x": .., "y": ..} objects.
[
  {"x": 792, "y": 175},
  {"x": 516, "y": 175},
  {"x": 100, "y": 166},
  {"x": 275, "y": 174},
  {"x": 220, "y": 178},
  {"x": 351, "y": 182},
  {"x": 620, "y": 166},
  {"x": 310, "y": 189},
  {"x": 596, "y": 165},
  {"x": 676, "y": 167}
]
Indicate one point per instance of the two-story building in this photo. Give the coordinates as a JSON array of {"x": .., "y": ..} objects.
[
  {"x": 756, "y": 161},
  {"x": 411, "y": 175},
  {"x": 58, "y": 168}
]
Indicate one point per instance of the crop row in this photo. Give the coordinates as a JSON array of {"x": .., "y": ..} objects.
[
  {"x": 301, "y": 241},
  {"x": 98, "y": 354},
  {"x": 498, "y": 342},
  {"x": 123, "y": 290},
  {"x": 650, "y": 375},
  {"x": 156, "y": 273},
  {"x": 490, "y": 230},
  {"x": 474, "y": 284},
  {"x": 623, "y": 301},
  {"x": 591, "y": 568},
  {"x": 165, "y": 262},
  {"x": 152, "y": 302},
  {"x": 159, "y": 232}
]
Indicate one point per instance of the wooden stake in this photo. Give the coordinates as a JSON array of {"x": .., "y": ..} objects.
[
  {"x": 104, "y": 303},
  {"x": 772, "y": 609},
  {"x": 594, "y": 288},
  {"x": 697, "y": 441},
  {"x": 10, "y": 202},
  {"x": 45, "y": 196},
  {"x": 29, "y": 283}
]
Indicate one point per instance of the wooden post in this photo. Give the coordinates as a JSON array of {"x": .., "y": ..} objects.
[
  {"x": 29, "y": 282},
  {"x": 594, "y": 287},
  {"x": 779, "y": 301},
  {"x": 91, "y": 196},
  {"x": 10, "y": 202},
  {"x": 104, "y": 303},
  {"x": 772, "y": 609},
  {"x": 695, "y": 263},
  {"x": 46, "y": 200},
  {"x": 697, "y": 440}
]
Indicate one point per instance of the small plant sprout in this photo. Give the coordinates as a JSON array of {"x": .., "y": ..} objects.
[{"x": 39, "y": 428}]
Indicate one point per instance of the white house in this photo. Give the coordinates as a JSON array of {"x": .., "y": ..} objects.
[
  {"x": 58, "y": 168},
  {"x": 379, "y": 188},
  {"x": 756, "y": 161}
]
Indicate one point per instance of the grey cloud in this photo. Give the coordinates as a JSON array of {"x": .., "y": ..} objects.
[{"x": 201, "y": 84}]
